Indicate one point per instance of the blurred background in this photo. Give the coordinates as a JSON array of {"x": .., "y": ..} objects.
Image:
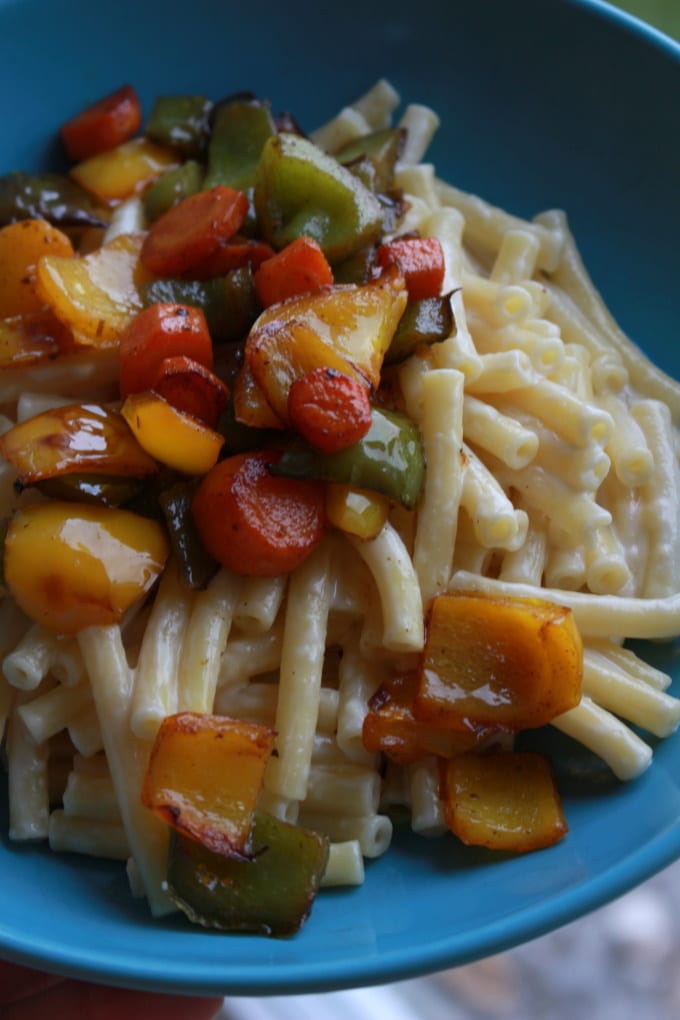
[{"x": 618, "y": 963}]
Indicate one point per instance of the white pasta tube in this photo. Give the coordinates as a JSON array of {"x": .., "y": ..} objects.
[
  {"x": 420, "y": 123},
  {"x": 85, "y": 732},
  {"x": 397, "y": 583},
  {"x": 52, "y": 711},
  {"x": 485, "y": 226},
  {"x": 90, "y": 796},
  {"x": 345, "y": 865},
  {"x": 616, "y": 656},
  {"x": 607, "y": 572},
  {"x": 527, "y": 563},
  {"x": 565, "y": 567},
  {"x": 496, "y": 522},
  {"x": 501, "y": 435},
  {"x": 302, "y": 659},
  {"x": 207, "y": 631},
  {"x": 39, "y": 652},
  {"x": 502, "y": 371},
  {"x": 378, "y": 104},
  {"x": 349, "y": 790},
  {"x": 112, "y": 687},
  {"x": 601, "y": 732},
  {"x": 259, "y": 603},
  {"x": 427, "y": 815},
  {"x": 630, "y": 698},
  {"x": 89, "y": 836},
  {"x": 630, "y": 455},
  {"x": 595, "y": 615},
  {"x": 29, "y": 802},
  {"x": 442, "y": 432},
  {"x": 346, "y": 126},
  {"x": 250, "y": 655},
  {"x": 358, "y": 680},
  {"x": 516, "y": 257},
  {"x": 660, "y": 500},
  {"x": 372, "y": 832},
  {"x": 156, "y": 693}
]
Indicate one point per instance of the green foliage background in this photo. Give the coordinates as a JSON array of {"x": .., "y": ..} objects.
[{"x": 662, "y": 14}]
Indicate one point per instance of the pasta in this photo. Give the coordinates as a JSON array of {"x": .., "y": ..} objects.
[{"x": 549, "y": 449}]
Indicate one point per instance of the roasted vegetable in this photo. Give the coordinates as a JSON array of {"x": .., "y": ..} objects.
[
  {"x": 121, "y": 172},
  {"x": 229, "y": 303},
  {"x": 74, "y": 439},
  {"x": 50, "y": 197},
  {"x": 172, "y": 187},
  {"x": 180, "y": 122},
  {"x": 388, "y": 460},
  {"x": 21, "y": 245},
  {"x": 69, "y": 566},
  {"x": 97, "y": 295},
  {"x": 195, "y": 564},
  {"x": 329, "y": 409},
  {"x": 424, "y": 322},
  {"x": 503, "y": 801},
  {"x": 510, "y": 663},
  {"x": 299, "y": 268},
  {"x": 161, "y": 331},
  {"x": 204, "y": 776},
  {"x": 103, "y": 125},
  {"x": 301, "y": 191},
  {"x": 239, "y": 130},
  {"x": 169, "y": 436},
  {"x": 256, "y": 523},
  {"x": 272, "y": 894}
]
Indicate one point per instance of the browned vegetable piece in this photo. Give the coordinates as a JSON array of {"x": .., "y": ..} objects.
[
  {"x": 391, "y": 727},
  {"x": 504, "y": 800},
  {"x": 204, "y": 777},
  {"x": 74, "y": 439},
  {"x": 508, "y": 663}
]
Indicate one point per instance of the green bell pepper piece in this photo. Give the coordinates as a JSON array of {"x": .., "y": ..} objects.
[
  {"x": 196, "y": 566},
  {"x": 240, "y": 129},
  {"x": 425, "y": 321},
  {"x": 181, "y": 122},
  {"x": 374, "y": 157},
  {"x": 50, "y": 197},
  {"x": 272, "y": 894},
  {"x": 176, "y": 184},
  {"x": 302, "y": 191},
  {"x": 229, "y": 302},
  {"x": 389, "y": 460},
  {"x": 358, "y": 268}
]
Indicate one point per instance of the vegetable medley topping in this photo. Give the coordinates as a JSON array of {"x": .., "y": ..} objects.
[{"x": 256, "y": 313}]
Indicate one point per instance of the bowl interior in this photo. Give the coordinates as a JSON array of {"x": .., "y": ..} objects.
[{"x": 543, "y": 104}]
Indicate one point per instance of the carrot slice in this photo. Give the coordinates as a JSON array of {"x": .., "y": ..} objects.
[
  {"x": 192, "y": 388},
  {"x": 161, "y": 331},
  {"x": 103, "y": 125},
  {"x": 193, "y": 230},
  {"x": 329, "y": 409},
  {"x": 421, "y": 262},
  {"x": 253, "y": 522},
  {"x": 299, "y": 268}
]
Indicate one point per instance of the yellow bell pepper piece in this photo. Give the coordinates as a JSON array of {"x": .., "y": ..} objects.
[
  {"x": 505, "y": 800},
  {"x": 508, "y": 663},
  {"x": 355, "y": 511},
  {"x": 21, "y": 245},
  {"x": 75, "y": 438},
  {"x": 70, "y": 566},
  {"x": 204, "y": 776},
  {"x": 170, "y": 436},
  {"x": 357, "y": 321},
  {"x": 96, "y": 295},
  {"x": 121, "y": 172}
]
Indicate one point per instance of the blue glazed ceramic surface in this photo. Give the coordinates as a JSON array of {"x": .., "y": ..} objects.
[{"x": 544, "y": 103}]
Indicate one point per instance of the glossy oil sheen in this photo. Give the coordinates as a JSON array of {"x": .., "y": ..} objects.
[{"x": 544, "y": 103}]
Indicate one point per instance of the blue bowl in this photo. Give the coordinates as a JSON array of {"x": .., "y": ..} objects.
[{"x": 544, "y": 103}]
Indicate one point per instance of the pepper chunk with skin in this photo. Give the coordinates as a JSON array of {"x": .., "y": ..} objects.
[
  {"x": 509, "y": 663},
  {"x": 69, "y": 566},
  {"x": 204, "y": 776}
]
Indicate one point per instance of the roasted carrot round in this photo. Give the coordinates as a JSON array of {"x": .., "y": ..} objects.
[
  {"x": 103, "y": 125},
  {"x": 329, "y": 409},
  {"x": 161, "y": 331},
  {"x": 192, "y": 388},
  {"x": 298, "y": 268},
  {"x": 253, "y": 522},
  {"x": 193, "y": 230},
  {"x": 421, "y": 262}
]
